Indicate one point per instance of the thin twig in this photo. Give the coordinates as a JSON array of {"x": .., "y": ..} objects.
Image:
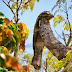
[
  {"x": 9, "y": 7},
  {"x": 20, "y": 4},
  {"x": 59, "y": 35},
  {"x": 7, "y": 43},
  {"x": 69, "y": 40},
  {"x": 17, "y": 11},
  {"x": 64, "y": 37},
  {"x": 9, "y": 1}
]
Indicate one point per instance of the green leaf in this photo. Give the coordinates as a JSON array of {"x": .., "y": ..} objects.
[
  {"x": 1, "y": 15},
  {"x": 70, "y": 7},
  {"x": 1, "y": 21},
  {"x": 0, "y": 47},
  {"x": 2, "y": 62},
  {"x": 13, "y": 27},
  {"x": 13, "y": 39},
  {"x": 71, "y": 43},
  {"x": 14, "y": 5}
]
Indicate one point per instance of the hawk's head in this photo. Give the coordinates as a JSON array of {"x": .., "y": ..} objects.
[{"x": 47, "y": 15}]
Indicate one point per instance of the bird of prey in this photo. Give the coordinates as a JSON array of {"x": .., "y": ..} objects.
[{"x": 40, "y": 37}]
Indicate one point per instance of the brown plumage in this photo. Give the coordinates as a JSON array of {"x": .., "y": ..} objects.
[{"x": 38, "y": 42}]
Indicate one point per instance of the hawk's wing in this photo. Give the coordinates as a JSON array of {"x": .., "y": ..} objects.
[
  {"x": 38, "y": 47},
  {"x": 51, "y": 42}
]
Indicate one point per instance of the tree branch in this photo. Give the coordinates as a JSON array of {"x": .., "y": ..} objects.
[
  {"x": 17, "y": 11},
  {"x": 69, "y": 40},
  {"x": 20, "y": 4},
  {"x": 9, "y": 7},
  {"x": 59, "y": 35},
  {"x": 64, "y": 37}
]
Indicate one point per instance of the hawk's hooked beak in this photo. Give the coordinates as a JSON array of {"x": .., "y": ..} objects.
[{"x": 50, "y": 16}]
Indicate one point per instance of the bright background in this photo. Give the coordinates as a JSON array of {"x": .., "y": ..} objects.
[{"x": 29, "y": 18}]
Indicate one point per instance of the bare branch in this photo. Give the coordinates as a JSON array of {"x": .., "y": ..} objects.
[
  {"x": 59, "y": 35},
  {"x": 9, "y": 1},
  {"x": 9, "y": 7},
  {"x": 17, "y": 11},
  {"x": 20, "y": 4},
  {"x": 64, "y": 37},
  {"x": 69, "y": 40}
]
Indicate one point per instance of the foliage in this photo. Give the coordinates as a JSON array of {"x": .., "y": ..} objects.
[
  {"x": 28, "y": 58},
  {"x": 53, "y": 64},
  {"x": 27, "y": 4},
  {"x": 63, "y": 7},
  {"x": 51, "y": 61},
  {"x": 64, "y": 61},
  {"x": 58, "y": 19},
  {"x": 11, "y": 35}
]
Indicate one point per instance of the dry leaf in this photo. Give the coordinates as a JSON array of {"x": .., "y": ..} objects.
[
  {"x": 25, "y": 69},
  {"x": 7, "y": 22},
  {"x": 0, "y": 38},
  {"x": 12, "y": 62},
  {"x": 7, "y": 33},
  {"x": 22, "y": 45},
  {"x": 30, "y": 66}
]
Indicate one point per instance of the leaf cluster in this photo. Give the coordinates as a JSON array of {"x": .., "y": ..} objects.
[{"x": 12, "y": 38}]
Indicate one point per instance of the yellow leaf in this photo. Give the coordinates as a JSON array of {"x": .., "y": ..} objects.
[
  {"x": 7, "y": 33},
  {"x": 0, "y": 33},
  {"x": 0, "y": 38},
  {"x": 5, "y": 50}
]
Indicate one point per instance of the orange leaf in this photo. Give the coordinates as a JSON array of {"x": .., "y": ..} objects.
[
  {"x": 25, "y": 69},
  {"x": 7, "y": 21},
  {"x": 7, "y": 33},
  {"x": 30, "y": 66},
  {"x": 22, "y": 28},
  {"x": 12, "y": 62},
  {"x": 0, "y": 38},
  {"x": 22, "y": 45},
  {"x": 5, "y": 50},
  {"x": 0, "y": 33}
]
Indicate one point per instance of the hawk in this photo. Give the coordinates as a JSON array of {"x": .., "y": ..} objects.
[{"x": 41, "y": 37}]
